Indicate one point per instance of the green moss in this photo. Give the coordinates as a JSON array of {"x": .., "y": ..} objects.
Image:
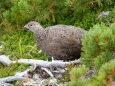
[{"x": 12, "y": 69}]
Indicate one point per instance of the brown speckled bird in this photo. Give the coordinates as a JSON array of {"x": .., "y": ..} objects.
[{"x": 62, "y": 42}]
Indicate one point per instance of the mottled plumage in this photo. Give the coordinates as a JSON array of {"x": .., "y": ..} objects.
[{"x": 62, "y": 42}]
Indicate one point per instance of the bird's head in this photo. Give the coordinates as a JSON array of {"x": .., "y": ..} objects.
[{"x": 33, "y": 26}]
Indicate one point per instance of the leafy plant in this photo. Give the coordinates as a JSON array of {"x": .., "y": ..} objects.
[
  {"x": 104, "y": 76},
  {"x": 99, "y": 45},
  {"x": 54, "y": 12}
]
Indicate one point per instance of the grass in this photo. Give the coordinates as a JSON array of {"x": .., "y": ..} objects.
[
  {"x": 22, "y": 45},
  {"x": 19, "y": 44},
  {"x": 12, "y": 69}
]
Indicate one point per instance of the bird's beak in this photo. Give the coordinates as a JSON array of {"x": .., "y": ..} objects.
[{"x": 26, "y": 26}]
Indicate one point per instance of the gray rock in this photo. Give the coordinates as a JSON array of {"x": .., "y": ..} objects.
[
  {"x": 102, "y": 14},
  {"x": 30, "y": 84}
]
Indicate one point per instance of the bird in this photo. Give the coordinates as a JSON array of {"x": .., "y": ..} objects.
[{"x": 62, "y": 42}]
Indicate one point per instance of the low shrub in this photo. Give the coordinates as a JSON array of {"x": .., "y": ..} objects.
[
  {"x": 99, "y": 45},
  {"x": 105, "y": 76}
]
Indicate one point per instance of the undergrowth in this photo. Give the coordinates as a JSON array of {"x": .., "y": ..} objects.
[
  {"x": 98, "y": 52},
  {"x": 21, "y": 45},
  {"x": 104, "y": 77}
]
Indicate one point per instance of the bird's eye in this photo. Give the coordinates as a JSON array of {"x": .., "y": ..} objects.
[{"x": 31, "y": 25}]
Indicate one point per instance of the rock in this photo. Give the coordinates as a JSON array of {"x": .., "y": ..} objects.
[
  {"x": 62, "y": 42},
  {"x": 102, "y": 14},
  {"x": 90, "y": 73},
  {"x": 30, "y": 84}
]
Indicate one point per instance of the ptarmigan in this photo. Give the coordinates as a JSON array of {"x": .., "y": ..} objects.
[{"x": 62, "y": 42}]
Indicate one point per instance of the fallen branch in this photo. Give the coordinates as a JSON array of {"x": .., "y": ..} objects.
[
  {"x": 47, "y": 64},
  {"x": 23, "y": 74},
  {"x": 11, "y": 78},
  {"x": 5, "y": 60},
  {"x": 46, "y": 69},
  {"x": 5, "y": 84},
  {"x": 16, "y": 77}
]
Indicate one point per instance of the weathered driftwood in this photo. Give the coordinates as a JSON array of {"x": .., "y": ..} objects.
[
  {"x": 5, "y": 60},
  {"x": 46, "y": 66},
  {"x": 16, "y": 77},
  {"x": 48, "y": 71},
  {"x": 23, "y": 74},
  {"x": 11, "y": 78},
  {"x": 5, "y": 84}
]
